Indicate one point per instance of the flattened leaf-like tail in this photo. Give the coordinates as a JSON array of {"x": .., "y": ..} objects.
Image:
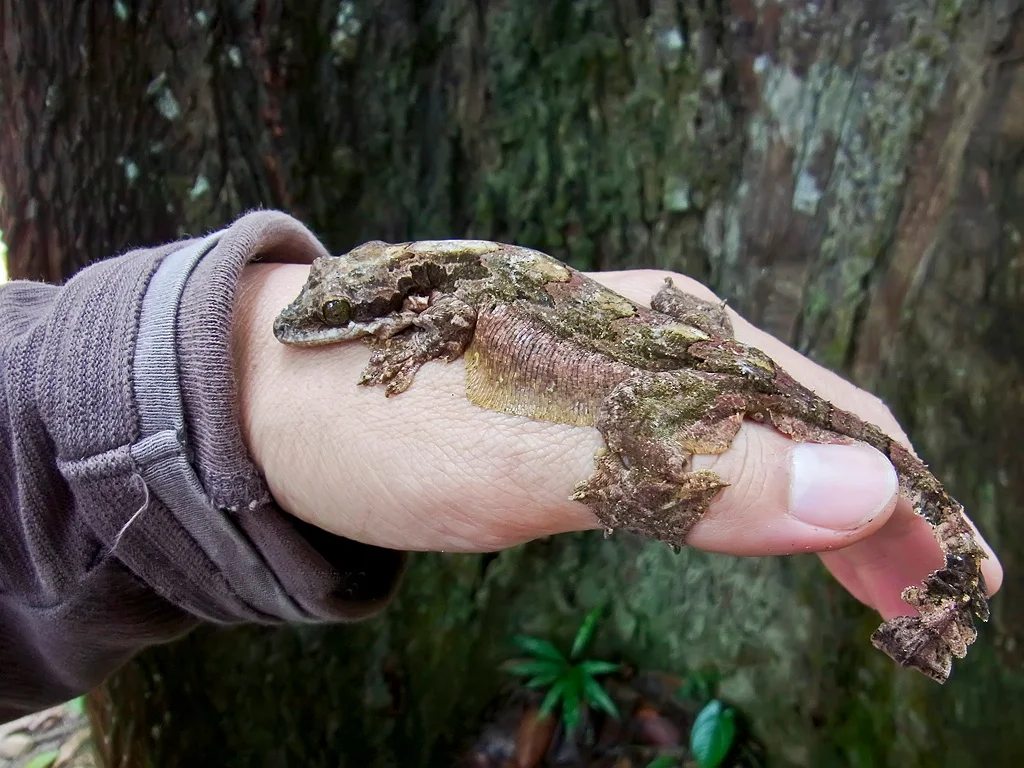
[
  {"x": 950, "y": 598},
  {"x": 928, "y": 642}
]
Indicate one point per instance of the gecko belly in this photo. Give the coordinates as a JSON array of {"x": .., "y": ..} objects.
[{"x": 516, "y": 365}]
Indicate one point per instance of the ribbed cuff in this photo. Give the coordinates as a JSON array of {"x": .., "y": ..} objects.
[{"x": 324, "y": 577}]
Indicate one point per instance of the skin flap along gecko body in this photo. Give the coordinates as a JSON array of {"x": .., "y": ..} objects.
[{"x": 545, "y": 341}]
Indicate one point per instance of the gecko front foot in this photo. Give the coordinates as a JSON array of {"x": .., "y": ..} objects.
[{"x": 442, "y": 331}]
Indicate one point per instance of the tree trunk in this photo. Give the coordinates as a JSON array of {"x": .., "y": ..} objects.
[{"x": 850, "y": 176}]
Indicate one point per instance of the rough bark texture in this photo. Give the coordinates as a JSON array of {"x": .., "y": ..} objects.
[{"x": 849, "y": 175}]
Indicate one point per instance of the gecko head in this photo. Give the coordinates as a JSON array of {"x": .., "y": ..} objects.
[{"x": 342, "y": 298}]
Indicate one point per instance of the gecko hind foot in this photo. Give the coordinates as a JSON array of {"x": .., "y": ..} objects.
[
  {"x": 710, "y": 317},
  {"x": 647, "y": 503},
  {"x": 653, "y": 424}
]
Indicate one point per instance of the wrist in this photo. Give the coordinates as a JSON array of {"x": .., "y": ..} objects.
[{"x": 262, "y": 377}]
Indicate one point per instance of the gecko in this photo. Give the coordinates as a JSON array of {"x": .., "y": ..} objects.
[{"x": 661, "y": 384}]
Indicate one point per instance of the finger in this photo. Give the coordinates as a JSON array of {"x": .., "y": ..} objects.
[
  {"x": 903, "y": 550},
  {"x": 786, "y": 497}
]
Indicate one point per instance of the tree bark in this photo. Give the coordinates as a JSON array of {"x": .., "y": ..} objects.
[{"x": 850, "y": 176}]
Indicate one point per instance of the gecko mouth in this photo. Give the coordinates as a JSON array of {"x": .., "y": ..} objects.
[
  {"x": 320, "y": 335},
  {"x": 310, "y": 338}
]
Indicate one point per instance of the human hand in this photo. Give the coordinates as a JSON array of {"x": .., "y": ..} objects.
[{"x": 428, "y": 470}]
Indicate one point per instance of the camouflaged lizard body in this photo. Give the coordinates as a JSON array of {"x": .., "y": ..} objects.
[{"x": 544, "y": 341}]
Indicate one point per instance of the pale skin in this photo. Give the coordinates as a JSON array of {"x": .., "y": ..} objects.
[{"x": 428, "y": 470}]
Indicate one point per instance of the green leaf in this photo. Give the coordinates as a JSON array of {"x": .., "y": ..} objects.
[
  {"x": 539, "y": 648},
  {"x": 599, "y": 667},
  {"x": 531, "y": 667},
  {"x": 572, "y": 700},
  {"x": 43, "y": 759},
  {"x": 543, "y": 681},
  {"x": 77, "y": 705},
  {"x": 551, "y": 700},
  {"x": 598, "y": 697},
  {"x": 712, "y": 734},
  {"x": 586, "y": 632},
  {"x": 665, "y": 761}
]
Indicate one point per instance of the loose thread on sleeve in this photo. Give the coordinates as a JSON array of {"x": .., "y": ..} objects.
[{"x": 135, "y": 516}]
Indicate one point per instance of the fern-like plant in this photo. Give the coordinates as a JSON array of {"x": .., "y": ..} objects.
[{"x": 570, "y": 680}]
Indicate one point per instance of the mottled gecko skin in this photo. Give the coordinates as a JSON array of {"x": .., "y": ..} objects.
[{"x": 544, "y": 341}]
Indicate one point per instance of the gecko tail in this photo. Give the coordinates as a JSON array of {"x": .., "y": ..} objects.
[
  {"x": 907, "y": 642},
  {"x": 948, "y": 600},
  {"x": 942, "y": 629}
]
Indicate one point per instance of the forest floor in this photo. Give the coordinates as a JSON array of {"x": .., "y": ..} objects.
[
  {"x": 58, "y": 737},
  {"x": 662, "y": 722}
]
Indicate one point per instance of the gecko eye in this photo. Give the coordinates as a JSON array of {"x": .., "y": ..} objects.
[{"x": 336, "y": 312}]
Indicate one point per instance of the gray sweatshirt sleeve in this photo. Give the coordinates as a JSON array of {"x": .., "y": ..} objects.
[{"x": 129, "y": 508}]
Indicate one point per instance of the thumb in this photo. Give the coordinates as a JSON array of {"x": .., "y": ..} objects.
[{"x": 786, "y": 497}]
